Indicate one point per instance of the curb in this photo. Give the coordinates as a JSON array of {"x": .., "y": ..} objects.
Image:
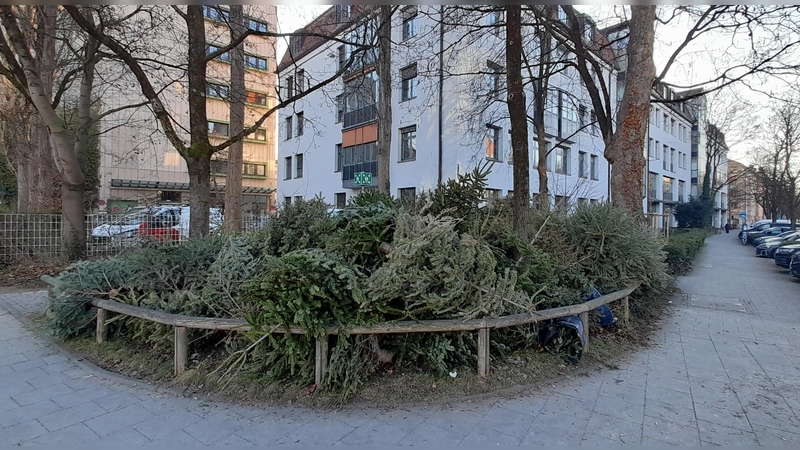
[{"x": 99, "y": 372}]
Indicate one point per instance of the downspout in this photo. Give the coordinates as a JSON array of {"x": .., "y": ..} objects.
[{"x": 441, "y": 84}]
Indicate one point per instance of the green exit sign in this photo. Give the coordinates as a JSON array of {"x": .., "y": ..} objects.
[{"x": 363, "y": 179}]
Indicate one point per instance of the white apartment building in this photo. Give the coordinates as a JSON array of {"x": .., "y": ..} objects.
[
  {"x": 448, "y": 113},
  {"x": 137, "y": 163},
  {"x": 669, "y": 157}
]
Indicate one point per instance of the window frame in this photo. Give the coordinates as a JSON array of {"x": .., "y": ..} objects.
[
  {"x": 594, "y": 167},
  {"x": 409, "y": 25},
  {"x": 496, "y": 136},
  {"x": 408, "y": 83},
  {"x": 298, "y": 165},
  {"x": 287, "y": 168},
  {"x": 582, "y": 166},
  {"x": 212, "y": 133},
  {"x": 405, "y": 133},
  {"x": 257, "y": 58},
  {"x": 288, "y": 124},
  {"x": 301, "y": 124},
  {"x": 213, "y": 91}
]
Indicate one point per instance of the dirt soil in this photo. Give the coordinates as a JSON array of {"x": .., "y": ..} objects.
[
  {"x": 24, "y": 276},
  {"x": 392, "y": 386}
]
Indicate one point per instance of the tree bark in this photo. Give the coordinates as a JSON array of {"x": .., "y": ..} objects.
[
  {"x": 198, "y": 157},
  {"x": 624, "y": 150},
  {"x": 540, "y": 90},
  {"x": 233, "y": 183},
  {"x": 66, "y": 159},
  {"x": 384, "y": 69},
  {"x": 520, "y": 202}
]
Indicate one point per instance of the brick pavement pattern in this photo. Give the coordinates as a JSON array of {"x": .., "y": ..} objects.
[{"x": 722, "y": 370}]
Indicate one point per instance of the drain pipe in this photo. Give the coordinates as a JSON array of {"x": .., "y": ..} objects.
[{"x": 441, "y": 84}]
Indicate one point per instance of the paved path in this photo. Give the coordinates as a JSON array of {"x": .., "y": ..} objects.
[{"x": 724, "y": 371}]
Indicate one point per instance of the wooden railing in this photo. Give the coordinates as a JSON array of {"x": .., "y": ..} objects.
[{"x": 482, "y": 326}]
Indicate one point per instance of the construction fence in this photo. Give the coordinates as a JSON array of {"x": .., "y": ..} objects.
[{"x": 37, "y": 237}]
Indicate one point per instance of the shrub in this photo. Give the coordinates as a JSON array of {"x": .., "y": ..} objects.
[
  {"x": 682, "y": 248},
  {"x": 301, "y": 225}
]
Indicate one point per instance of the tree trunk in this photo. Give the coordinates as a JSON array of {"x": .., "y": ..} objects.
[
  {"x": 199, "y": 194},
  {"x": 233, "y": 183},
  {"x": 198, "y": 155},
  {"x": 73, "y": 222},
  {"x": 384, "y": 70},
  {"x": 540, "y": 87},
  {"x": 520, "y": 202},
  {"x": 624, "y": 151}
]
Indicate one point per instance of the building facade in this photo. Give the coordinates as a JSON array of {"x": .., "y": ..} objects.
[
  {"x": 742, "y": 185},
  {"x": 448, "y": 112},
  {"x": 139, "y": 166}
]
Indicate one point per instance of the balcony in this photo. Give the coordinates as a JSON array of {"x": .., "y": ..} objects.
[
  {"x": 349, "y": 174},
  {"x": 360, "y": 116}
]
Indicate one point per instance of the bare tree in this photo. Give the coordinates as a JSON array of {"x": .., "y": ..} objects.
[{"x": 198, "y": 151}]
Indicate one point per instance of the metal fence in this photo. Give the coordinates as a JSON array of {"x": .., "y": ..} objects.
[{"x": 37, "y": 237}]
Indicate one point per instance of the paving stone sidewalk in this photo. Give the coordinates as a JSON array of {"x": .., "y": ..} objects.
[{"x": 723, "y": 370}]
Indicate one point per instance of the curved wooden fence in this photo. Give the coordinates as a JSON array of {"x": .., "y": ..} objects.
[{"x": 182, "y": 323}]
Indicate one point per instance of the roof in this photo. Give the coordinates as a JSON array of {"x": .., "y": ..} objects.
[{"x": 324, "y": 25}]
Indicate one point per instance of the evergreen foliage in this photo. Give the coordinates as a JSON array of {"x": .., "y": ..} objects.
[{"x": 448, "y": 254}]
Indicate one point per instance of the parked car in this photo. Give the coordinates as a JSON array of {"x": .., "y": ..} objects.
[
  {"x": 783, "y": 254},
  {"x": 759, "y": 227},
  {"x": 768, "y": 247},
  {"x": 785, "y": 236},
  {"x": 794, "y": 267},
  {"x": 166, "y": 222},
  {"x": 769, "y": 231}
]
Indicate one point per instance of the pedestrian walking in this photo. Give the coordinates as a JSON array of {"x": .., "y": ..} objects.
[{"x": 727, "y": 228}]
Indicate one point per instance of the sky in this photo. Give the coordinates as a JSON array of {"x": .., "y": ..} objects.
[{"x": 693, "y": 66}]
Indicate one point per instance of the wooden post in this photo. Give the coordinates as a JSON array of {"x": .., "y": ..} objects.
[
  {"x": 181, "y": 350},
  {"x": 321, "y": 364},
  {"x": 626, "y": 311},
  {"x": 101, "y": 325},
  {"x": 585, "y": 321},
  {"x": 483, "y": 352}
]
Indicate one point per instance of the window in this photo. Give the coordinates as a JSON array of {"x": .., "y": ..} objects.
[
  {"x": 255, "y": 62},
  {"x": 215, "y": 13},
  {"x": 494, "y": 80},
  {"x": 259, "y": 135},
  {"x": 408, "y": 76},
  {"x": 562, "y": 201},
  {"x": 287, "y": 169},
  {"x": 492, "y": 143},
  {"x": 339, "y": 108},
  {"x": 649, "y": 148},
  {"x": 665, "y": 161},
  {"x": 296, "y": 45},
  {"x": 562, "y": 15},
  {"x": 288, "y": 128},
  {"x": 300, "y": 81},
  {"x": 289, "y": 87},
  {"x": 409, "y": 22},
  {"x": 342, "y": 56},
  {"x": 298, "y": 198},
  {"x": 672, "y": 160},
  {"x": 658, "y": 118},
  {"x": 301, "y": 123},
  {"x": 492, "y": 194},
  {"x": 256, "y": 25},
  {"x": 656, "y": 153},
  {"x": 341, "y": 200},
  {"x": 581, "y": 116},
  {"x": 561, "y": 160},
  {"x": 652, "y": 116},
  {"x": 287, "y": 201},
  {"x": 582, "y": 169},
  {"x": 217, "y": 91},
  {"x": 339, "y": 158},
  {"x": 672, "y": 128},
  {"x": 583, "y": 201},
  {"x": 257, "y": 170},
  {"x": 408, "y": 143},
  {"x": 595, "y": 161},
  {"x": 218, "y": 128},
  {"x": 254, "y": 98},
  {"x": 593, "y": 125},
  {"x": 496, "y": 19},
  {"x": 226, "y": 57},
  {"x": 666, "y": 122},
  {"x": 407, "y": 193},
  {"x": 298, "y": 165},
  {"x": 342, "y": 13}
]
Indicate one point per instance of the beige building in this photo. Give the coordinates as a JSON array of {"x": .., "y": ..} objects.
[
  {"x": 742, "y": 186},
  {"x": 138, "y": 165}
]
